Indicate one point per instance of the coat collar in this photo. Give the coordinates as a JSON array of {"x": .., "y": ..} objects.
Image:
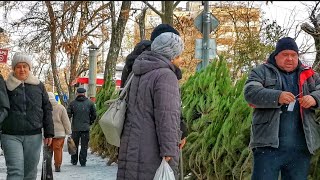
[{"x": 12, "y": 82}]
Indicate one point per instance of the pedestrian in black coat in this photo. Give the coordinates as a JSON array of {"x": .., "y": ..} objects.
[{"x": 82, "y": 113}]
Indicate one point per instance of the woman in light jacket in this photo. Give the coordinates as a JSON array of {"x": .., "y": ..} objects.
[
  {"x": 152, "y": 126},
  {"x": 29, "y": 119},
  {"x": 62, "y": 127}
]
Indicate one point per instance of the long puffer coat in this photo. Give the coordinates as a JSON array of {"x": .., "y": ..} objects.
[{"x": 152, "y": 126}]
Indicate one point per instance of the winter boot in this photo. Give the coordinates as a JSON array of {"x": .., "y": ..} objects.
[{"x": 57, "y": 168}]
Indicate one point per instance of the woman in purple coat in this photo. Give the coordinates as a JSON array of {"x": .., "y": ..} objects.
[{"x": 152, "y": 126}]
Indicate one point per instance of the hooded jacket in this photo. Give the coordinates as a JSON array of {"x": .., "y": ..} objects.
[
  {"x": 144, "y": 45},
  {"x": 62, "y": 126},
  {"x": 152, "y": 126},
  {"x": 30, "y": 109},
  {"x": 262, "y": 91}
]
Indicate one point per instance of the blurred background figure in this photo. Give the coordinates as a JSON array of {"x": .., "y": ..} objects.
[{"x": 62, "y": 127}]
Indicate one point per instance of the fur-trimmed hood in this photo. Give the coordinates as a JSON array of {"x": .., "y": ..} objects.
[{"x": 12, "y": 82}]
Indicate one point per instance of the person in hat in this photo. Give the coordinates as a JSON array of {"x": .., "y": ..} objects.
[
  {"x": 82, "y": 113},
  {"x": 145, "y": 45},
  {"x": 29, "y": 120},
  {"x": 284, "y": 94},
  {"x": 151, "y": 129},
  {"x": 62, "y": 128}
]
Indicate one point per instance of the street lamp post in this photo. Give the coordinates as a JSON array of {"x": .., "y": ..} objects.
[
  {"x": 92, "y": 87},
  {"x": 206, "y": 31}
]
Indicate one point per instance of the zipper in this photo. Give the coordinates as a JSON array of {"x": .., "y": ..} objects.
[
  {"x": 24, "y": 105},
  {"x": 24, "y": 100}
]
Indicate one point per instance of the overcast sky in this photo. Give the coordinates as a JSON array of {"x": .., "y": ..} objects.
[{"x": 288, "y": 13}]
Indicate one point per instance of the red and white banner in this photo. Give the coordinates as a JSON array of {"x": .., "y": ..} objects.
[{"x": 4, "y": 55}]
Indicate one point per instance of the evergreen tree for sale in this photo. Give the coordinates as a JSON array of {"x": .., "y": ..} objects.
[{"x": 219, "y": 120}]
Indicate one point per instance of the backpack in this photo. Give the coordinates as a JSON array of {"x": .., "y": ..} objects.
[{"x": 112, "y": 120}]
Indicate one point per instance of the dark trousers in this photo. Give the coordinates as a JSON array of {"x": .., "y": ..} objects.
[
  {"x": 82, "y": 136},
  {"x": 268, "y": 162}
]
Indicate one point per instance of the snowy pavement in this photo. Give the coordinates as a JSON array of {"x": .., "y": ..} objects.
[{"x": 95, "y": 169}]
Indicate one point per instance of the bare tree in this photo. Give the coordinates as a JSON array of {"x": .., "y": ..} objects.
[
  {"x": 142, "y": 23},
  {"x": 167, "y": 8},
  {"x": 50, "y": 26},
  {"x": 314, "y": 31},
  {"x": 116, "y": 37}
]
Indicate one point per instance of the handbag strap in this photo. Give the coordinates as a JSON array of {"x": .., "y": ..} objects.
[{"x": 125, "y": 88}]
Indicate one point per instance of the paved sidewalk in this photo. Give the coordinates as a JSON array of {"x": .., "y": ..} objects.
[{"x": 96, "y": 169}]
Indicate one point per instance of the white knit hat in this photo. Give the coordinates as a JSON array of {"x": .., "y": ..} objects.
[
  {"x": 19, "y": 57},
  {"x": 168, "y": 44},
  {"x": 52, "y": 97}
]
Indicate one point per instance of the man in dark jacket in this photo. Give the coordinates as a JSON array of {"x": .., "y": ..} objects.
[
  {"x": 82, "y": 113},
  {"x": 284, "y": 133}
]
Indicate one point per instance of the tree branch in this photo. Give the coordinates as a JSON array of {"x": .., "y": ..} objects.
[
  {"x": 153, "y": 9},
  {"x": 176, "y": 4}
]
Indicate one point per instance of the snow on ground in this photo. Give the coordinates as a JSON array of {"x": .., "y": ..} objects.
[{"x": 95, "y": 169}]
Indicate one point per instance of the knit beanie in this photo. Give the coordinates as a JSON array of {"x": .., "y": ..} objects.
[
  {"x": 168, "y": 44},
  {"x": 286, "y": 43},
  {"x": 20, "y": 57},
  {"x": 161, "y": 28},
  {"x": 52, "y": 97}
]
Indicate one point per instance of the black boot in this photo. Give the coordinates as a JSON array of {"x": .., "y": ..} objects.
[{"x": 57, "y": 168}]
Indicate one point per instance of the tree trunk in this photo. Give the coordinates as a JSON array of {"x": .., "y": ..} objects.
[
  {"x": 53, "y": 45},
  {"x": 168, "y": 12},
  {"x": 142, "y": 24},
  {"x": 116, "y": 38},
  {"x": 316, "y": 63}
]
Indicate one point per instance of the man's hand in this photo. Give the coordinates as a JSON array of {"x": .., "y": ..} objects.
[
  {"x": 307, "y": 101},
  {"x": 182, "y": 143},
  {"x": 286, "y": 97},
  {"x": 47, "y": 141}
]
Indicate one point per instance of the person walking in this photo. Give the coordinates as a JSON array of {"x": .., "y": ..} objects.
[
  {"x": 152, "y": 126},
  {"x": 62, "y": 127},
  {"x": 82, "y": 113},
  {"x": 4, "y": 104},
  {"x": 29, "y": 118},
  {"x": 285, "y": 133}
]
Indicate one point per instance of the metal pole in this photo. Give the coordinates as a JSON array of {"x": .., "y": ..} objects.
[
  {"x": 181, "y": 166},
  {"x": 206, "y": 31},
  {"x": 92, "y": 87}
]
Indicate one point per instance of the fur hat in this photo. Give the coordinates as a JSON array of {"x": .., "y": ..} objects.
[
  {"x": 161, "y": 28},
  {"x": 81, "y": 90},
  {"x": 168, "y": 44},
  {"x": 52, "y": 97},
  {"x": 286, "y": 43},
  {"x": 19, "y": 57}
]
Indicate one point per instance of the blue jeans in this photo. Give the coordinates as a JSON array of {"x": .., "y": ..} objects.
[
  {"x": 22, "y": 154},
  {"x": 268, "y": 162}
]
